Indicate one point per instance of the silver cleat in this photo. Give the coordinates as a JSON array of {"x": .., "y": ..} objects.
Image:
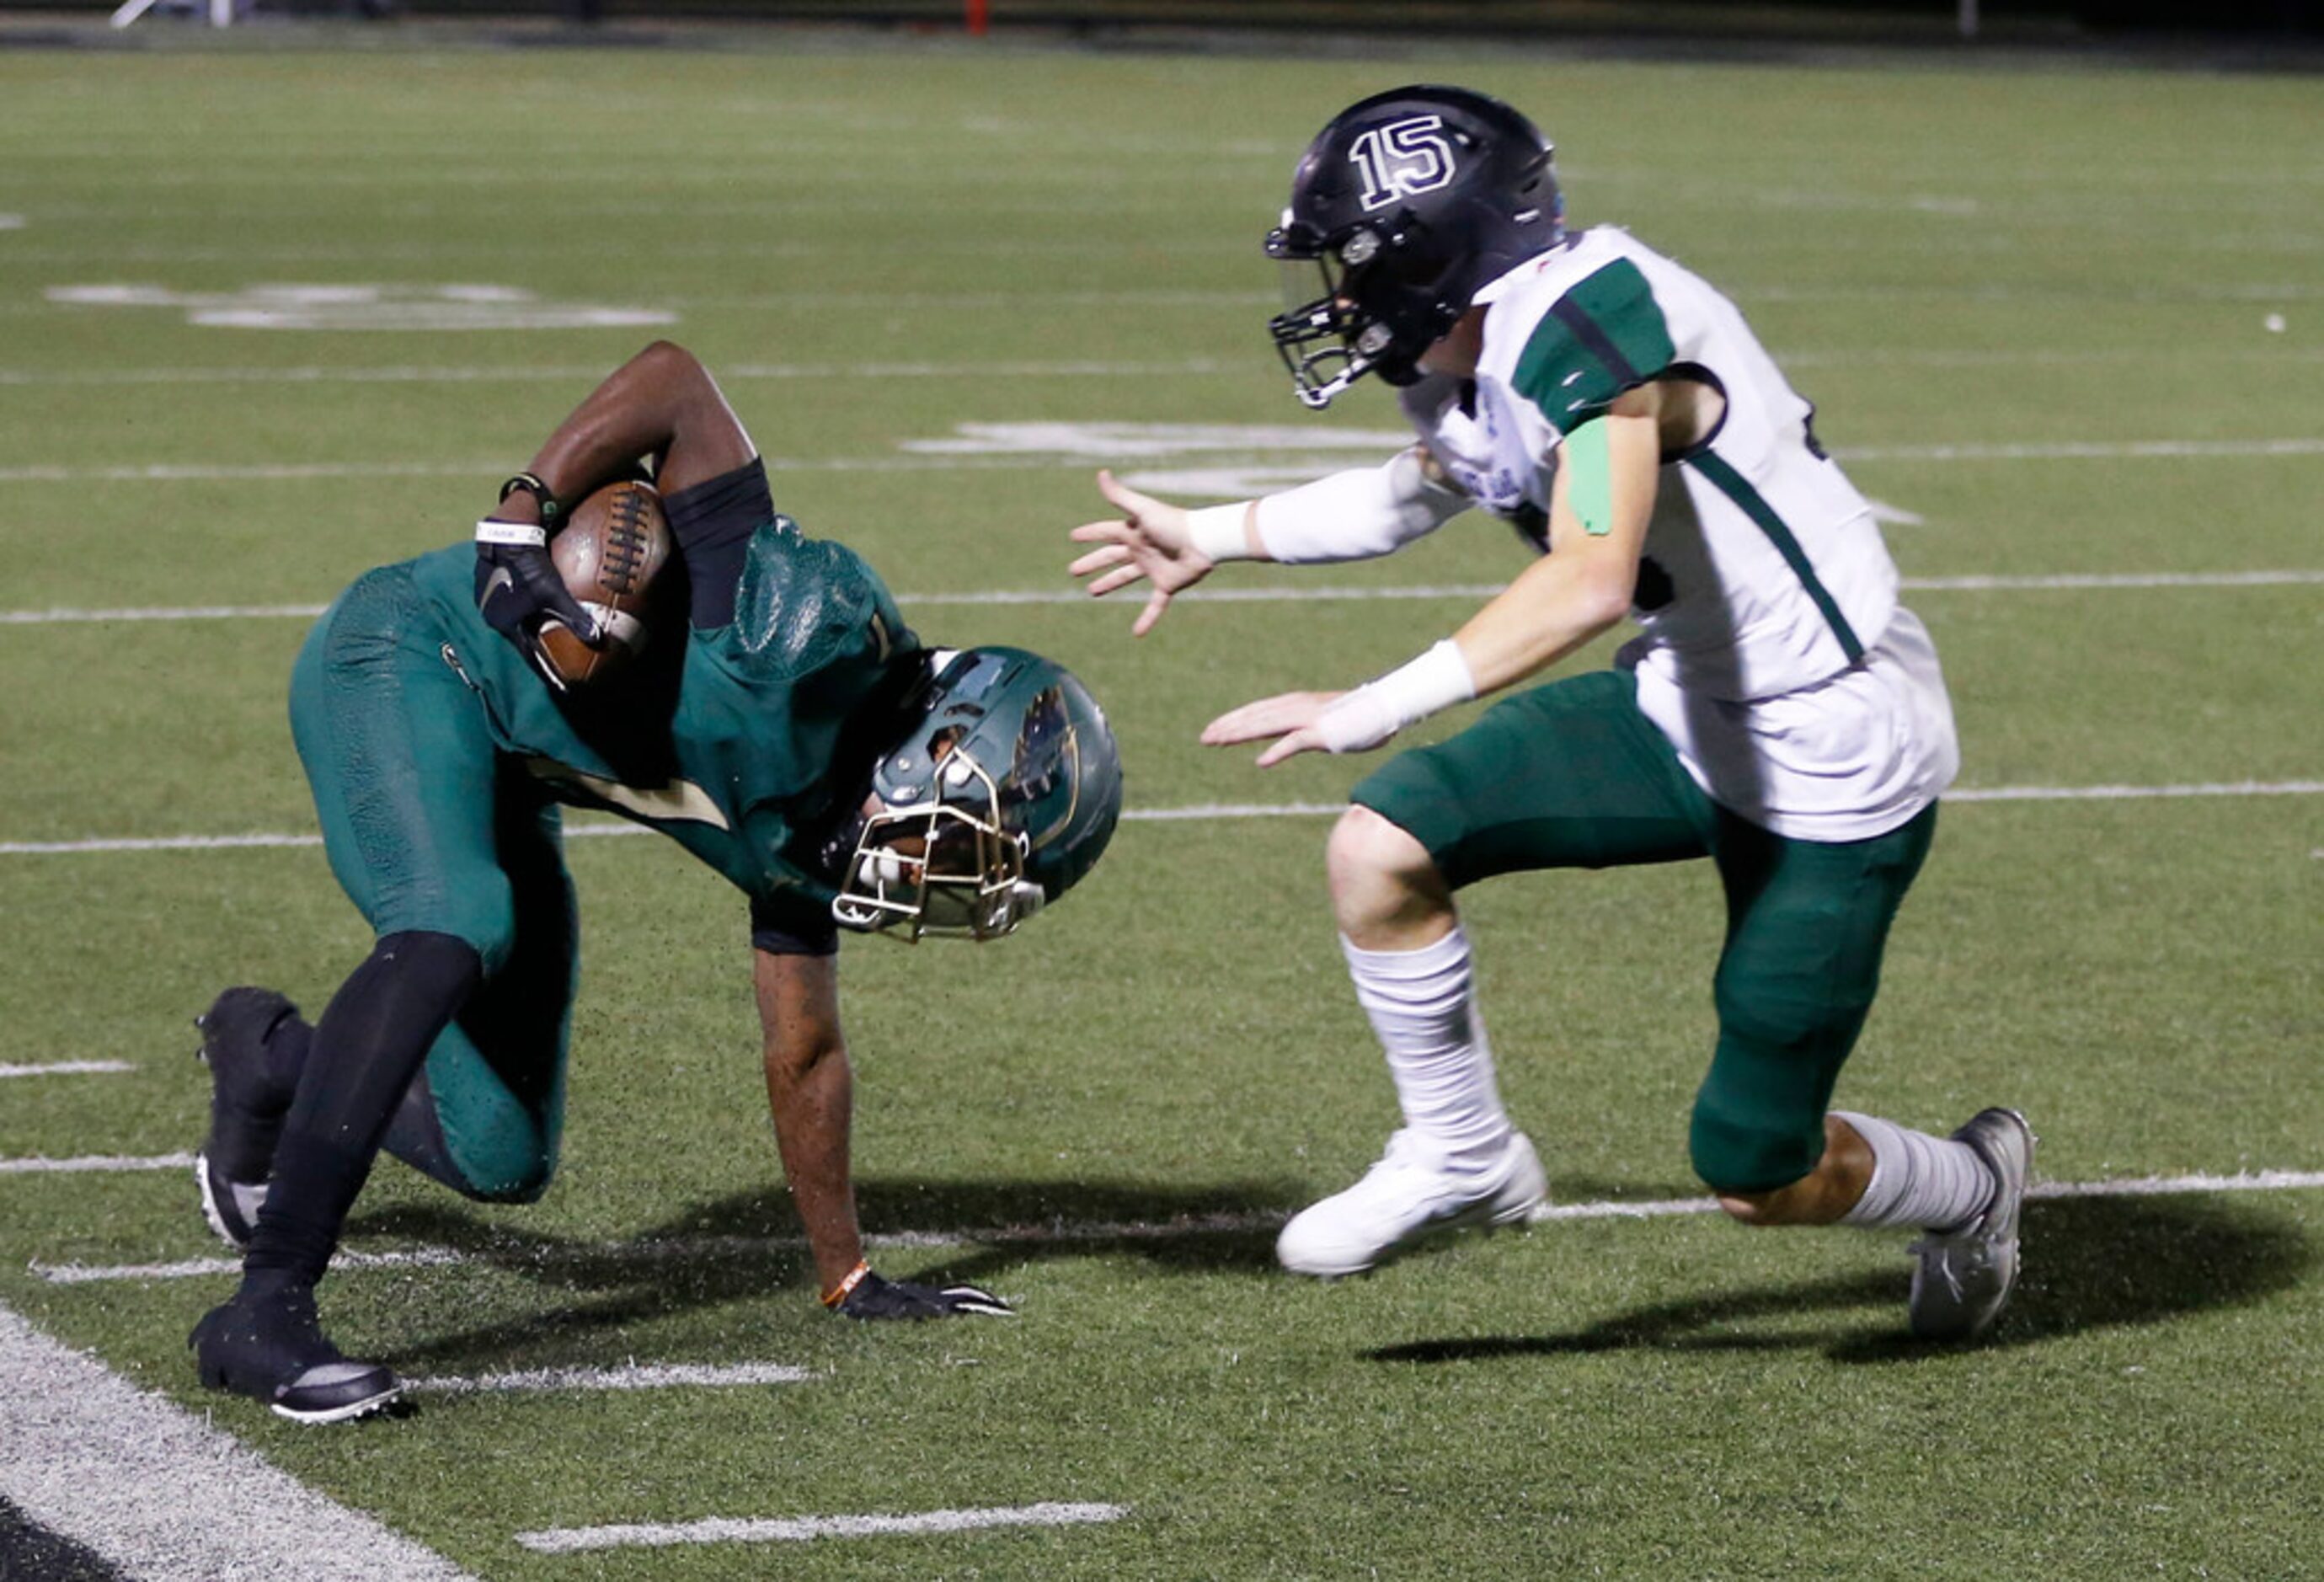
[{"x": 1963, "y": 1276}]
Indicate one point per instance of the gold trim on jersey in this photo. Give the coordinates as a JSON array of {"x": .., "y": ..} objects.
[{"x": 673, "y": 801}]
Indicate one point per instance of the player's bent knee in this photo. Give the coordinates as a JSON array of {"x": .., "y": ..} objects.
[
  {"x": 1364, "y": 841},
  {"x": 506, "y": 1161},
  {"x": 1749, "y": 1160},
  {"x": 1377, "y": 866},
  {"x": 528, "y": 1187},
  {"x": 1758, "y": 1208}
]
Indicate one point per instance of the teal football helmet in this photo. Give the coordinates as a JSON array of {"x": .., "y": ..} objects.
[{"x": 1001, "y": 795}]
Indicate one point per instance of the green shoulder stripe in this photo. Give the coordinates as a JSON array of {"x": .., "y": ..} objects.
[{"x": 1599, "y": 339}]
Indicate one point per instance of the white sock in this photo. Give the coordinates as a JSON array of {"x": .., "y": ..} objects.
[
  {"x": 1918, "y": 1180},
  {"x": 1422, "y": 1006}
]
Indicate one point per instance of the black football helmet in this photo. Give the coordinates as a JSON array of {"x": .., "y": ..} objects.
[
  {"x": 1407, "y": 203},
  {"x": 1001, "y": 792}
]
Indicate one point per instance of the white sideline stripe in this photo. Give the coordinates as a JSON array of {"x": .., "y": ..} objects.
[
  {"x": 691, "y": 1247},
  {"x": 65, "y": 1068},
  {"x": 635, "y": 1376},
  {"x": 95, "y": 1164},
  {"x": 278, "y": 472},
  {"x": 554, "y": 1541},
  {"x": 1195, "y": 813},
  {"x": 1255, "y": 595},
  {"x": 159, "y": 1493}
]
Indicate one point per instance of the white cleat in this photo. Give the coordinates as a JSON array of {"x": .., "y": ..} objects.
[
  {"x": 1963, "y": 1276},
  {"x": 1408, "y": 1197}
]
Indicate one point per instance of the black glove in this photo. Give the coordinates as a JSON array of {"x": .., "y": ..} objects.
[
  {"x": 517, "y": 587},
  {"x": 869, "y": 1296}
]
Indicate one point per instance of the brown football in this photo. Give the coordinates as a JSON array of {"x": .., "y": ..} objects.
[{"x": 609, "y": 552}]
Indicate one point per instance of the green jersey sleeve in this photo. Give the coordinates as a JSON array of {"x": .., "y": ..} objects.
[{"x": 1604, "y": 335}]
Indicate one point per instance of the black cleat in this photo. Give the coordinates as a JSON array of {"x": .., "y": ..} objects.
[
  {"x": 269, "y": 1347},
  {"x": 246, "y": 1107}
]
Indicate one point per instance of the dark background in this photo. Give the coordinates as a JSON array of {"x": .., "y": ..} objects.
[{"x": 2060, "y": 21}]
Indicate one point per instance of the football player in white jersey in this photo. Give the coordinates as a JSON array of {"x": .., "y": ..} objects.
[{"x": 1779, "y": 713}]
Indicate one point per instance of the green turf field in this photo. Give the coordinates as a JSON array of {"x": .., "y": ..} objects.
[{"x": 2067, "y": 326}]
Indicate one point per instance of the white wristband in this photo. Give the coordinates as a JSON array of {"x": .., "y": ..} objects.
[
  {"x": 1216, "y": 532},
  {"x": 1377, "y": 710},
  {"x": 489, "y": 531}
]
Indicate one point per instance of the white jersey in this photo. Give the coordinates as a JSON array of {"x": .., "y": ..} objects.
[{"x": 1774, "y": 655}]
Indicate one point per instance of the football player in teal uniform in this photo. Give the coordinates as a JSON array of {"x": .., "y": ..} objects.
[
  {"x": 1780, "y": 712},
  {"x": 797, "y": 737}
]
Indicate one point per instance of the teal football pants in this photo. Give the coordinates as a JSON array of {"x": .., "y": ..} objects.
[
  {"x": 1572, "y": 775},
  {"x": 429, "y": 827}
]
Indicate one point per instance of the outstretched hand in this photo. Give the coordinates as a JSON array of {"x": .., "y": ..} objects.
[
  {"x": 1148, "y": 541},
  {"x": 1289, "y": 719}
]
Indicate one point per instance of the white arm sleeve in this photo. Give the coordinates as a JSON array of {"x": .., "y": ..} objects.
[{"x": 1356, "y": 514}]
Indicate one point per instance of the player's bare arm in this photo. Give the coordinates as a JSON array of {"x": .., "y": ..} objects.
[
  {"x": 663, "y": 403},
  {"x": 810, "y": 1094},
  {"x": 810, "y": 1091}
]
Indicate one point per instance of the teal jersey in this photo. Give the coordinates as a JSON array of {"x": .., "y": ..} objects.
[{"x": 730, "y": 747}]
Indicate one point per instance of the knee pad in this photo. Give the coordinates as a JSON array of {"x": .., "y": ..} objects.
[{"x": 503, "y": 1164}]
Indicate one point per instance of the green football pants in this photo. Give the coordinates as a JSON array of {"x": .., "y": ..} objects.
[
  {"x": 1572, "y": 775},
  {"x": 429, "y": 827}
]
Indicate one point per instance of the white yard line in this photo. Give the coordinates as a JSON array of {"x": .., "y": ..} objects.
[
  {"x": 95, "y": 1164},
  {"x": 1196, "y": 812},
  {"x": 2040, "y": 582},
  {"x": 2084, "y": 450},
  {"x": 158, "y": 1493},
  {"x": 265, "y": 472},
  {"x": 943, "y": 461},
  {"x": 66, "y": 1069},
  {"x": 415, "y": 373},
  {"x": 2111, "y": 793},
  {"x": 73, "y": 617},
  {"x": 635, "y": 1376},
  {"x": 1060, "y": 368},
  {"x": 198, "y": 1268},
  {"x": 2099, "y": 582},
  {"x": 684, "y": 1249},
  {"x": 800, "y": 1529},
  {"x": 28, "y": 848}
]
